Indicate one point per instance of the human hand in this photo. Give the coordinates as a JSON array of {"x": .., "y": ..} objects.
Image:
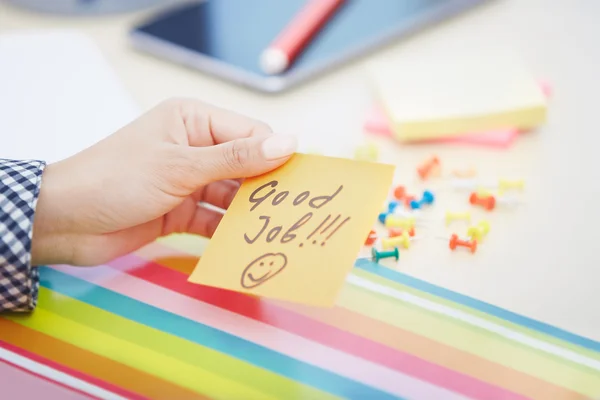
[{"x": 146, "y": 180}]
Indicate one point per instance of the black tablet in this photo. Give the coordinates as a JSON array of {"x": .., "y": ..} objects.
[{"x": 226, "y": 37}]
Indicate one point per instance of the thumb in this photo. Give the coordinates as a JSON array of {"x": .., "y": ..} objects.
[{"x": 242, "y": 158}]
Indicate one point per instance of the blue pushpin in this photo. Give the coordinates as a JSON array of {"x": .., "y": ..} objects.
[
  {"x": 392, "y": 205},
  {"x": 378, "y": 255},
  {"x": 382, "y": 217},
  {"x": 427, "y": 198}
]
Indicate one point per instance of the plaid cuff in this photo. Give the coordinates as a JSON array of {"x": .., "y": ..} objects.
[{"x": 19, "y": 189}]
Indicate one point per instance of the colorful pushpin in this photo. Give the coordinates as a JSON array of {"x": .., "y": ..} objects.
[
  {"x": 464, "y": 173},
  {"x": 399, "y": 192},
  {"x": 392, "y": 205},
  {"x": 505, "y": 185},
  {"x": 457, "y": 216},
  {"x": 479, "y": 231},
  {"x": 456, "y": 242},
  {"x": 413, "y": 215},
  {"x": 378, "y": 255},
  {"x": 382, "y": 217},
  {"x": 487, "y": 202},
  {"x": 371, "y": 238},
  {"x": 427, "y": 198},
  {"x": 484, "y": 192},
  {"x": 408, "y": 199},
  {"x": 368, "y": 152},
  {"x": 393, "y": 232},
  {"x": 397, "y": 221},
  {"x": 471, "y": 184},
  {"x": 430, "y": 167},
  {"x": 403, "y": 240}
]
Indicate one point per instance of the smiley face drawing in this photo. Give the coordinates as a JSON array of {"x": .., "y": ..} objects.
[{"x": 262, "y": 269}]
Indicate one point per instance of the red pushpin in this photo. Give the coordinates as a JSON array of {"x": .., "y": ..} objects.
[
  {"x": 393, "y": 232},
  {"x": 488, "y": 202},
  {"x": 464, "y": 173},
  {"x": 408, "y": 199},
  {"x": 429, "y": 168},
  {"x": 371, "y": 238},
  {"x": 399, "y": 192},
  {"x": 455, "y": 242}
]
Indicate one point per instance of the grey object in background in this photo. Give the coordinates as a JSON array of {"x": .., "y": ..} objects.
[{"x": 88, "y": 7}]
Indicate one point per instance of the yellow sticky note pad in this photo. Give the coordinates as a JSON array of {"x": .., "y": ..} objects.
[
  {"x": 444, "y": 93},
  {"x": 294, "y": 234}
]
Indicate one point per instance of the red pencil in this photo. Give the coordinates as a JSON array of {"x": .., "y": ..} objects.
[{"x": 297, "y": 34}]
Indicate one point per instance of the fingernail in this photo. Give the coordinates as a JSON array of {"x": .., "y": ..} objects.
[{"x": 279, "y": 146}]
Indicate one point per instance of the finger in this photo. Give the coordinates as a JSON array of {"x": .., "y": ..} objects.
[
  {"x": 219, "y": 194},
  {"x": 239, "y": 180},
  {"x": 208, "y": 125},
  {"x": 204, "y": 222},
  {"x": 240, "y": 158}
]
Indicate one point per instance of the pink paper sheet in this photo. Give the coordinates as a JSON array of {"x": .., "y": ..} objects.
[{"x": 377, "y": 123}]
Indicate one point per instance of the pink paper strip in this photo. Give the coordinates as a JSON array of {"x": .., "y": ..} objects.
[
  {"x": 377, "y": 123},
  {"x": 24, "y": 385},
  {"x": 44, "y": 362}
]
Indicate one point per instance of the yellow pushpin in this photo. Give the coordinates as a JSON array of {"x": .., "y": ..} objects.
[
  {"x": 507, "y": 184},
  {"x": 457, "y": 216},
  {"x": 398, "y": 221},
  {"x": 484, "y": 192},
  {"x": 464, "y": 173},
  {"x": 396, "y": 241},
  {"x": 479, "y": 231},
  {"x": 368, "y": 152}
]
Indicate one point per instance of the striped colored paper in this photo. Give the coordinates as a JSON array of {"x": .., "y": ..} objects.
[{"x": 136, "y": 329}]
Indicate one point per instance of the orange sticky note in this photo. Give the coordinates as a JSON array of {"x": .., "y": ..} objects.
[{"x": 293, "y": 234}]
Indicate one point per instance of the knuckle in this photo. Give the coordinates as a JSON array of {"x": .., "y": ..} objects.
[
  {"x": 180, "y": 106},
  {"x": 172, "y": 104},
  {"x": 171, "y": 109},
  {"x": 184, "y": 103},
  {"x": 237, "y": 155}
]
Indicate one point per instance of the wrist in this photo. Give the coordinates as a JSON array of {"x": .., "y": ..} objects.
[{"x": 49, "y": 244}]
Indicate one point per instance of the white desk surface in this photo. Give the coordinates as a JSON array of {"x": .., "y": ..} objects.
[{"x": 541, "y": 261}]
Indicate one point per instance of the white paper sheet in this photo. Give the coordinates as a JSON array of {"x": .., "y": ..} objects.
[{"x": 58, "y": 95}]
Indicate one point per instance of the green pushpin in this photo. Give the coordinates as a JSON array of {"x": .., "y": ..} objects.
[{"x": 378, "y": 255}]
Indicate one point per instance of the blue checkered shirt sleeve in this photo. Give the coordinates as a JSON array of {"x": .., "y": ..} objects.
[{"x": 19, "y": 189}]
